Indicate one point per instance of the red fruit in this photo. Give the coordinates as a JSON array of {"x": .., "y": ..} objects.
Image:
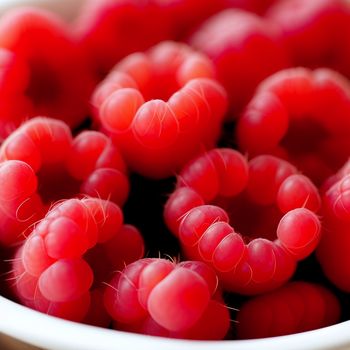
[
  {"x": 293, "y": 308},
  {"x": 249, "y": 255},
  {"x": 186, "y": 15},
  {"x": 256, "y": 6},
  {"x": 109, "y": 30},
  {"x": 25, "y": 288},
  {"x": 332, "y": 251},
  {"x": 121, "y": 298},
  {"x": 155, "y": 296},
  {"x": 45, "y": 72},
  {"x": 289, "y": 114},
  {"x": 184, "y": 296},
  {"x": 339, "y": 175},
  {"x": 174, "y": 112},
  {"x": 20, "y": 205},
  {"x": 14, "y": 79},
  {"x": 65, "y": 280},
  {"x": 64, "y": 167},
  {"x": 244, "y": 49},
  {"x": 55, "y": 260},
  {"x": 213, "y": 324},
  {"x": 313, "y": 32},
  {"x": 97, "y": 314}
]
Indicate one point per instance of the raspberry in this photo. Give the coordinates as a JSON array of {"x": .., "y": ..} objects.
[
  {"x": 313, "y": 32},
  {"x": 20, "y": 205},
  {"x": 293, "y": 308},
  {"x": 73, "y": 310},
  {"x": 97, "y": 314},
  {"x": 339, "y": 175},
  {"x": 332, "y": 251},
  {"x": 155, "y": 136},
  {"x": 244, "y": 55},
  {"x": 105, "y": 258},
  {"x": 109, "y": 30},
  {"x": 289, "y": 115},
  {"x": 250, "y": 256},
  {"x": 45, "y": 72},
  {"x": 256, "y": 6},
  {"x": 117, "y": 251},
  {"x": 213, "y": 325},
  {"x": 25, "y": 288},
  {"x": 185, "y": 303},
  {"x": 56, "y": 166},
  {"x": 14, "y": 75},
  {"x": 186, "y": 15},
  {"x": 186, "y": 291},
  {"x": 54, "y": 266}
]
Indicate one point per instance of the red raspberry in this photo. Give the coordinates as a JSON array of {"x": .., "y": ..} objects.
[
  {"x": 54, "y": 166},
  {"x": 213, "y": 325},
  {"x": 314, "y": 31},
  {"x": 112, "y": 253},
  {"x": 293, "y": 308},
  {"x": 342, "y": 172},
  {"x": 25, "y": 287},
  {"x": 158, "y": 297},
  {"x": 256, "y": 6},
  {"x": 45, "y": 73},
  {"x": 21, "y": 206},
  {"x": 252, "y": 255},
  {"x": 14, "y": 76},
  {"x": 157, "y": 136},
  {"x": 110, "y": 30},
  {"x": 244, "y": 50},
  {"x": 53, "y": 265},
  {"x": 332, "y": 251},
  {"x": 289, "y": 116},
  {"x": 97, "y": 314},
  {"x": 107, "y": 257},
  {"x": 186, "y": 15}
]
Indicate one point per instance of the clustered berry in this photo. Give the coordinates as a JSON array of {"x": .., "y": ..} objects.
[
  {"x": 178, "y": 168},
  {"x": 252, "y": 223}
]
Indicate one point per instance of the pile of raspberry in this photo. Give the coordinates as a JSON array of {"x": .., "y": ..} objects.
[{"x": 178, "y": 168}]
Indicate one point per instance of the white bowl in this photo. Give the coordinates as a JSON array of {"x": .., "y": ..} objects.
[
  {"x": 55, "y": 334},
  {"x": 52, "y": 333}
]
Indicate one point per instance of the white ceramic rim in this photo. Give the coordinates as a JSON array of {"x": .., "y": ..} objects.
[{"x": 50, "y": 332}]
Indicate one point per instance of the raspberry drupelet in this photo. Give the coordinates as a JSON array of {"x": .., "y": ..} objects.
[
  {"x": 53, "y": 271},
  {"x": 158, "y": 297},
  {"x": 161, "y": 108},
  {"x": 45, "y": 163},
  {"x": 252, "y": 222},
  {"x": 301, "y": 115}
]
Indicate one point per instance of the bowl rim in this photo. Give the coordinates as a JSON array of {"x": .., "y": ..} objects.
[{"x": 50, "y": 332}]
